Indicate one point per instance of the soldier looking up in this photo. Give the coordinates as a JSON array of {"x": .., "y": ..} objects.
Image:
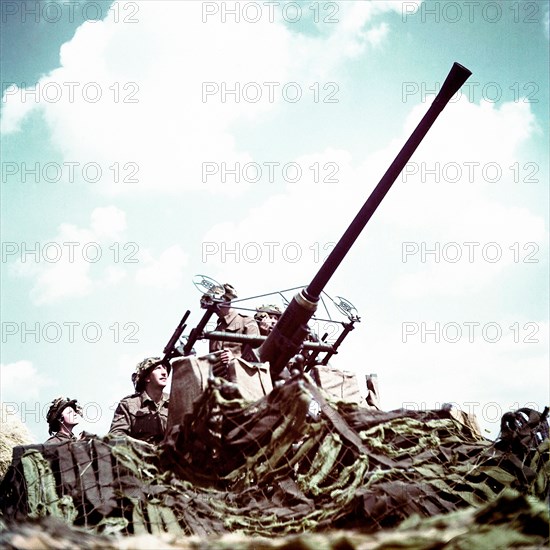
[
  {"x": 144, "y": 414},
  {"x": 230, "y": 320},
  {"x": 267, "y": 317},
  {"x": 63, "y": 415}
]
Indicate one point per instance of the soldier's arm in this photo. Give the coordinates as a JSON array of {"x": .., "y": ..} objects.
[{"x": 121, "y": 420}]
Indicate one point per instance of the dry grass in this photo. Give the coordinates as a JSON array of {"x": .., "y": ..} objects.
[{"x": 12, "y": 433}]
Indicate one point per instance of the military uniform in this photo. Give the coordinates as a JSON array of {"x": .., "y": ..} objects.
[
  {"x": 60, "y": 437},
  {"x": 141, "y": 418},
  {"x": 239, "y": 324}
]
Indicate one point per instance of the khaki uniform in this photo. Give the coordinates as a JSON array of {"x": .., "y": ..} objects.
[
  {"x": 141, "y": 418},
  {"x": 60, "y": 437},
  {"x": 239, "y": 324}
]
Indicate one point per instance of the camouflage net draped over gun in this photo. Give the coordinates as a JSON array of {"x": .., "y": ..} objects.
[{"x": 272, "y": 467}]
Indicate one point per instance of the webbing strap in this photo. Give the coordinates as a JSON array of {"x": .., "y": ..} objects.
[
  {"x": 66, "y": 468},
  {"x": 86, "y": 473},
  {"x": 345, "y": 431},
  {"x": 105, "y": 477}
]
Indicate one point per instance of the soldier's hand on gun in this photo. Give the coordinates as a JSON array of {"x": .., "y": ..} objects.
[{"x": 220, "y": 367}]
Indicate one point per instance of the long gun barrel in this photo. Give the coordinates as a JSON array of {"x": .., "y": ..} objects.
[{"x": 287, "y": 336}]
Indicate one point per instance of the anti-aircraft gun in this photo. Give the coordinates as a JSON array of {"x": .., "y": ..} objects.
[{"x": 288, "y": 337}]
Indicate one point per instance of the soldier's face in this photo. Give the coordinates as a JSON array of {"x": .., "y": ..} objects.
[
  {"x": 267, "y": 323},
  {"x": 70, "y": 417},
  {"x": 223, "y": 308},
  {"x": 158, "y": 376}
]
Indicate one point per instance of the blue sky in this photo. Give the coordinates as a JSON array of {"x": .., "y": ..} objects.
[{"x": 123, "y": 125}]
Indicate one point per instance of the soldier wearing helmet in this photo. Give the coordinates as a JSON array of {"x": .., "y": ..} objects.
[
  {"x": 230, "y": 320},
  {"x": 144, "y": 414},
  {"x": 63, "y": 415},
  {"x": 267, "y": 316}
]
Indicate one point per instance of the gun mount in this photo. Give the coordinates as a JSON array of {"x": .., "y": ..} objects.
[{"x": 316, "y": 349}]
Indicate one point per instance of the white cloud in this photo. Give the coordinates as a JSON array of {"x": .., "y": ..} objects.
[
  {"x": 18, "y": 376},
  {"x": 15, "y": 109},
  {"x": 165, "y": 106},
  {"x": 112, "y": 276},
  {"x": 447, "y": 196},
  {"x": 70, "y": 265},
  {"x": 166, "y": 272},
  {"x": 376, "y": 35},
  {"x": 492, "y": 239},
  {"x": 108, "y": 222},
  {"x": 283, "y": 241}
]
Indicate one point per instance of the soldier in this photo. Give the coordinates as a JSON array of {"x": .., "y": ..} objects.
[
  {"x": 144, "y": 414},
  {"x": 267, "y": 317},
  {"x": 63, "y": 415},
  {"x": 230, "y": 320}
]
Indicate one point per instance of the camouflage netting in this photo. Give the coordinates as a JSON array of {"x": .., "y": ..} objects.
[
  {"x": 276, "y": 467},
  {"x": 511, "y": 521}
]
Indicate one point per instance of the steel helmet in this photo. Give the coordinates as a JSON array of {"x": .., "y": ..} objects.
[
  {"x": 144, "y": 368},
  {"x": 59, "y": 404}
]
